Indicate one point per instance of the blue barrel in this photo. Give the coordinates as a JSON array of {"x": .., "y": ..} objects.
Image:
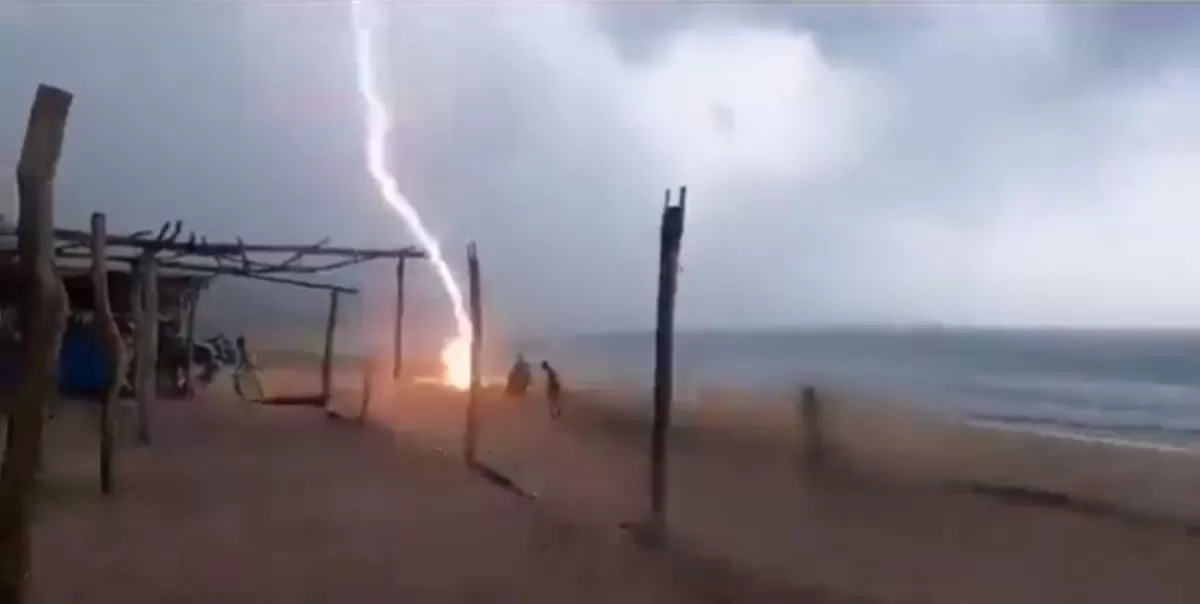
[{"x": 82, "y": 362}]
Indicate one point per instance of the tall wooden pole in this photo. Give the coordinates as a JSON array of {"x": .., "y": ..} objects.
[
  {"x": 327, "y": 358},
  {"x": 42, "y": 319},
  {"x": 471, "y": 433},
  {"x": 114, "y": 347},
  {"x": 147, "y": 342},
  {"x": 368, "y": 368},
  {"x": 136, "y": 311},
  {"x": 189, "y": 353},
  {"x": 670, "y": 238},
  {"x": 811, "y": 428},
  {"x": 398, "y": 341}
]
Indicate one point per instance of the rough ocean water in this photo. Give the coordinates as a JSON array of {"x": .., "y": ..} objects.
[{"x": 1132, "y": 385}]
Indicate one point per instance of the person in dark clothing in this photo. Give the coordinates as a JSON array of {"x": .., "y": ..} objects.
[
  {"x": 519, "y": 378},
  {"x": 245, "y": 368},
  {"x": 553, "y": 390},
  {"x": 172, "y": 355}
]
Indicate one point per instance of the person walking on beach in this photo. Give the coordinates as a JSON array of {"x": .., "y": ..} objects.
[
  {"x": 245, "y": 368},
  {"x": 519, "y": 378},
  {"x": 553, "y": 390}
]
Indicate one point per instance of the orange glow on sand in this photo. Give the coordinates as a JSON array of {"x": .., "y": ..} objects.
[{"x": 456, "y": 362}]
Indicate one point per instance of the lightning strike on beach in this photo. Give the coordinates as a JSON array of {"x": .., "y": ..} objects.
[{"x": 455, "y": 356}]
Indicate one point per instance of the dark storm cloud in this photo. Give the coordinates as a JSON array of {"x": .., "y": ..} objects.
[{"x": 975, "y": 163}]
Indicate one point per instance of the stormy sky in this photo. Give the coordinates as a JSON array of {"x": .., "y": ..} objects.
[{"x": 1009, "y": 164}]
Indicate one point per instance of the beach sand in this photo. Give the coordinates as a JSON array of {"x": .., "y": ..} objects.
[
  {"x": 738, "y": 492},
  {"x": 236, "y": 502}
]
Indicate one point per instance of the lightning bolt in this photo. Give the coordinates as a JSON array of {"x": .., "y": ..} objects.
[{"x": 456, "y": 352}]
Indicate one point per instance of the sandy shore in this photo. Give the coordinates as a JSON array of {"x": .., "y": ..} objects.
[
  {"x": 739, "y": 495},
  {"x": 240, "y": 503}
]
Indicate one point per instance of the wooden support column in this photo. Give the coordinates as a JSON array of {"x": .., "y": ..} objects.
[
  {"x": 146, "y": 379},
  {"x": 471, "y": 431},
  {"x": 368, "y": 367},
  {"x": 114, "y": 347},
  {"x": 189, "y": 353},
  {"x": 670, "y": 238},
  {"x": 811, "y": 433},
  {"x": 327, "y": 359},
  {"x": 42, "y": 319},
  {"x": 398, "y": 340},
  {"x": 134, "y": 371}
]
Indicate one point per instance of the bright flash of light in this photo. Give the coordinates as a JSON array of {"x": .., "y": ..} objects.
[{"x": 456, "y": 357}]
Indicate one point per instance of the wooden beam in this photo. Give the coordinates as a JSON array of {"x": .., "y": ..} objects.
[
  {"x": 231, "y": 271},
  {"x": 398, "y": 335},
  {"x": 226, "y": 248},
  {"x": 42, "y": 319},
  {"x": 114, "y": 348},
  {"x": 670, "y": 237},
  {"x": 147, "y": 343},
  {"x": 471, "y": 431},
  {"x": 327, "y": 359}
]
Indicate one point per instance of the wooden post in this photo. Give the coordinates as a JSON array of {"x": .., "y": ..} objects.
[
  {"x": 670, "y": 238},
  {"x": 189, "y": 358},
  {"x": 327, "y": 359},
  {"x": 114, "y": 348},
  {"x": 810, "y": 428},
  {"x": 146, "y": 380},
  {"x": 368, "y": 378},
  {"x": 471, "y": 433},
  {"x": 398, "y": 341},
  {"x": 133, "y": 371},
  {"x": 42, "y": 319}
]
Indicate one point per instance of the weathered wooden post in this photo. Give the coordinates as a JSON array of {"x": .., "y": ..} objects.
[
  {"x": 114, "y": 348},
  {"x": 368, "y": 379},
  {"x": 398, "y": 340},
  {"x": 813, "y": 445},
  {"x": 327, "y": 358},
  {"x": 670, "y": 238},
  {"x": 42, "y": 319},
  {"x": 146, "y": 380},
  {"x": 136, "y": 311},
  {"x": 189, "y": 353},
  {"x": 471, "y": 432}
]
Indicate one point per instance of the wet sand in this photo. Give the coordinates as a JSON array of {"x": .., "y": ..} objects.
[{"x": 241, "y": 503}]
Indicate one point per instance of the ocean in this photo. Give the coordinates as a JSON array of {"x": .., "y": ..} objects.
[{"x": 1131, "y": 385}]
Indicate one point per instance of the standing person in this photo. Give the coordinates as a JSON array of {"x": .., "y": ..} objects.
[
  {"x": 553, "y": 390},
  {"x": 245, "y": 367},
  {"x": 172, "y": 354},
  {"x": 519, "y": 378}
]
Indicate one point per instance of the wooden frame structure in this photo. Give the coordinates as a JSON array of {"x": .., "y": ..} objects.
[
  {"x": 199, "y": 257},
  {"x": 34, "y": 272}
]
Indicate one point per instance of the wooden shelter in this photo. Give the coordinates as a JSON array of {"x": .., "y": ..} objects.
[
  {"x": 194, "y": 262},
  {"x": 143, "y": 276}
]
